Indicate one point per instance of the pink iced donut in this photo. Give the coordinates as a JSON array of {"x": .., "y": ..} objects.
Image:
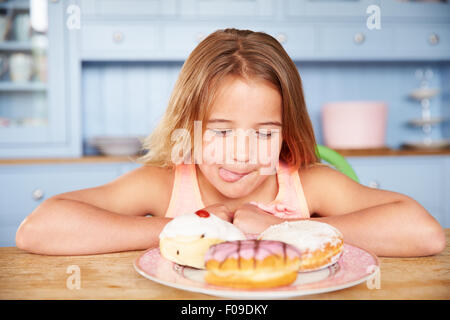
[{"x": 252, "y": 264}]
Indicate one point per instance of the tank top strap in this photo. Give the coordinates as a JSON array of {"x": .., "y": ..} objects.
[
  {"x": 185, "y": 196},
  {"x": 290, "y": 193}
]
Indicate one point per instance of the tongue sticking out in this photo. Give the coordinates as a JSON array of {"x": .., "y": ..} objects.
[{"x": 230, "y": 176}]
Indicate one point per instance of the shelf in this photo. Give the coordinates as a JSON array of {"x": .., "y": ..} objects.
[
  {"x": 16, "y": 5},
  {"x": 22, "y": 86},
  {"x": 15, "y": 46},
  {"x": 383, "y": 152},
  {"x": 131, "y": 159},
  {"x": 86, "y": 159}
]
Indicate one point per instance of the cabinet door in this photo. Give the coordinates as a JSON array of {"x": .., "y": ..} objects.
[
  {"x": 417, "y": 10},
  {"x": 37, "y": 117},
  {"x": 119, "y": 40},
  {"x": 24, "y": 187},
  {"x": 421, "y": 178},
  {"x": 431, "y": 41},
  {"x": 129, "y": 8},
  {"x": 229, "y": 8},
  {"x": 354, "y": 41},
  {"x": 327, "y": 8}
]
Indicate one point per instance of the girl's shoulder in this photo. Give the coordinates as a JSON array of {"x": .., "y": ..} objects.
[
  {"x": 314, "y": 171},
  {"x": 313, "y": 178},
  {"x": 156, "y": 184}
]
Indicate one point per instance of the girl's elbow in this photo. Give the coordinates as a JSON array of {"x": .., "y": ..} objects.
[
  {"x": 30, "y": 235},
  {"x": 436, "y": 241},
  {"x": 430, "y": 234},
  {"x": 25, "y": 236},
  {"x": 432, "y": 239}
]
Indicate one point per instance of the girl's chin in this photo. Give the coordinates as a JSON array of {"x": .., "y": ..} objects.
[{"x": 238, "y": 188}]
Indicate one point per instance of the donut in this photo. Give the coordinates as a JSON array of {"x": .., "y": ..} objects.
[
  {"x": 186, "y": 238},
  {"x": 252, "y": 264},
  {"x": 320, "y": 244}
]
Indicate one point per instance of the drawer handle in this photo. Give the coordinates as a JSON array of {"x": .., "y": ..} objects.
[
  {"x": 38, "y": 194},
  {"x": 374, "y": 184},
  {"x": 433, "y": 39},
  {"x": 282, "y": 38},
  {"x": 118, "y": 37},
  {"x": 359, "y": 38}
]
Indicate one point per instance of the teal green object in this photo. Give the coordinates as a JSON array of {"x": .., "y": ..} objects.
[{"x": 336, "y": 160}]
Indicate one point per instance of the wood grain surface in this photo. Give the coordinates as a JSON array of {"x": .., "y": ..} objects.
[{"x": 112, "y": 276}]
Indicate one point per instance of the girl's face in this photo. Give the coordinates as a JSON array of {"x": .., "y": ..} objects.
[{"x": 242, "y": 141}]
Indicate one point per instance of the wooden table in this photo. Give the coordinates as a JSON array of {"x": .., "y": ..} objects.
[{"x": 112, "y": 276}]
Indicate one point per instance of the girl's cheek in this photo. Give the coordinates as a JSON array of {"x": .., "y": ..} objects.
[
  {"x": 213, "y": 150},
  {"x": 269, "y": 155}
]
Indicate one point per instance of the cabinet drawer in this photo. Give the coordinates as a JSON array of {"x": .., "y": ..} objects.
[
  {"x": 354, "y": 40},
  {"x": 110, "y": 40},
  {"x": 23, "y": 188},
  {"x": 180, "y": 40},
  {"x": 419, "y": 40},
  {"x": 297, "y": 41},
  {"x": 421, "y": 179}
]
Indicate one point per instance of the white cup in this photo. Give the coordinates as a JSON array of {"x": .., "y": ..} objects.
[
  {"x": 20, "y": 67},
  {"x": 3, "y": 64},
  {"x": 21, "y": 27},
  {"x": 3, "y": 27}
]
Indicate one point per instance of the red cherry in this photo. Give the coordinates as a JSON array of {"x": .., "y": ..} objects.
[{"x": 202, "y": 213}]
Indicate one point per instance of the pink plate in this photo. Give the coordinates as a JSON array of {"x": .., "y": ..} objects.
[{"x": 354, "y": 266}]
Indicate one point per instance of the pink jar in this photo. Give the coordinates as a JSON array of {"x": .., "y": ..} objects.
[{"x": 354, "y": 124}]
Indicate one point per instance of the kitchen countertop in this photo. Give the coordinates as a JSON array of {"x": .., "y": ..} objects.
[
  {"x": 379, "y": 152},
  {"x": 112, "y": 276}
]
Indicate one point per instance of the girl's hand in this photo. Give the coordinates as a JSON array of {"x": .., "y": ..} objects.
[
  {"x": 251, "y": 219},
  {"x": 221, "y": 211}
]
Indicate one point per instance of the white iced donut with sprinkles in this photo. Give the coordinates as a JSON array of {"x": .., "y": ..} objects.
[{"x": 320, "y": 244}]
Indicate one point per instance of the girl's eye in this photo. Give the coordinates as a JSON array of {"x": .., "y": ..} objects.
[
  {"x": 222, "y": 133},
  {"x": 264, "y": 134}
]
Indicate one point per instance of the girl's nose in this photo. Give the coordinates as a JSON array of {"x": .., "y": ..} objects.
[{"x": 242, "y": 146}]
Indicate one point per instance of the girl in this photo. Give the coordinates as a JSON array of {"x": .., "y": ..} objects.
[{"x": 233, "y": 81}]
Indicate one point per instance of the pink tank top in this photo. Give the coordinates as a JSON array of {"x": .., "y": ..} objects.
[{"x": 289, "y": 203}]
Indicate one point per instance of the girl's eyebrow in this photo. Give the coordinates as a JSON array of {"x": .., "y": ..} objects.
[{"x": 275, "y": 123}]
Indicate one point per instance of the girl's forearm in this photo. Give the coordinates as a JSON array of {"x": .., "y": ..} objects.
[
  {"x": 401, "y": 229},
  {"x": 68, "y": 227}
]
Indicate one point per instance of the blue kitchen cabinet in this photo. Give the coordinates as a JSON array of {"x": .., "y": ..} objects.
[
  {"x": 106, "y": 9},
  {"x": 326, "y": 9},
  {"x": 217, "y": 9},
  {"x": 418, "y": 11},
  {"x": 24, "y": 187},
  {"x": 356, "y": 10},
  {"x": 423, "y": 178},
  {"x": 308, "y": 30},
  {"x": 39, "y": 113}
]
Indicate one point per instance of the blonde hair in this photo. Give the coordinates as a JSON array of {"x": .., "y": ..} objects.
[{"x": 244, "y": 53}]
